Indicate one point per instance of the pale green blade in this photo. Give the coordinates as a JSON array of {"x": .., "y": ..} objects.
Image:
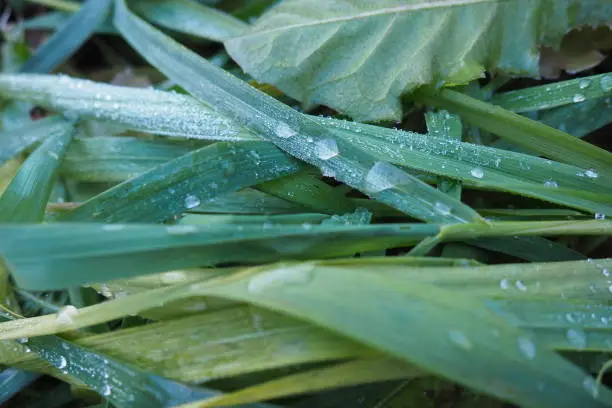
[
  {"x": 191, "y": 18},
  {"x": 292, "y": 132},
  {"x": 69, "y": 38}
]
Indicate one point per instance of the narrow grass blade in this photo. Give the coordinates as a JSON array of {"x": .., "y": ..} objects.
[
  {"x": 15, "y": 141},
  {"x": 446, "y": 126},
  {"x": 56, "y": 20},
  {"x": 534, "y": 249},
  {"x": 521, "y": 131},
  {"x": 69, "y": 38},
  {"x": 25, "y": 199},
  {"x": 341, "y": 375},
  {"x": 117, "y": 251},
  {"x": 557, "y": 94},
  {"x": 248, "y": 201},
  {"x": 108, "y": 159},
  {"x": 185, "y": 182},
  {"x": 12, "y": 381},
  {"x": 580, "y": 119},
  {"x": 280, "y": 124},
  {"x": 190, "y": 18}
]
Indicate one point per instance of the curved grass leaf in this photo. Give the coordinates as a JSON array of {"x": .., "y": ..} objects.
[
  {"x": 15, "y": 141},
  {"x": 25, "y": 198},
  {"x": 69, "y": 38},
  {"x": 292, "y": 132},
  {"x": 308, "y": 48},
  {"x": 191, "y": 18},
  {"x": 185, "y": 182},
  {"x": 554, "y": 95}
]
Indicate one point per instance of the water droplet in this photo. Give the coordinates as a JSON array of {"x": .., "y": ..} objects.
[
  {"x": 520, "y": 285},
  {"x": 576, "y": 338},
  {"x": 605, "y": 272},
  {"x": 584, "y": 83},
  {"x": 113, "y": 227},
  {"x": 527, "y": 347},
  {"x": 504, "y": 284},
  {"x": 383, "y": 176},
  {"x": 442, "y": 208},
  {"x": 65, "y": 314},
  {"x": 606, "y": 83},
  {"x": 284, "y": 131},
  {"x": 590, "y": 386},
  {"x": 591, "y": 173},
  {"x": 610, "y": 288},
  {"x": 551, "y": 183},
  {"x": 23, "y": 340},
  {"x": 191, "y": 201},
  {"x": 459, "y": 338},
  {"x": 62, "y": 363},
  {"x": 71, "y": 115},
  {"x": 173, "y": 277},
  {"x": 578, "y": 98},
  {"x": 477, "y": 172},
  {"x": 281, "y": 276},
  {"x": 326, "y": 149},
  {"x": 53, "y": 155},
  {"x": 181, "y": 229},
  {"x": 307, "y": 226},
  {"x": 106, "y": 390},
  {"x": 600, "y": 216}
]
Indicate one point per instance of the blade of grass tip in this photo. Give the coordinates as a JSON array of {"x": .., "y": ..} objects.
[
  {"x": 69, "y": 38},
  {"x": 25, "y": 199},
  {"x": 279, "y": 124},
  {"x": 340, "y": 375},
  {"x": 190, "y": 18},
  {"x": 184, "y": 183},
  {"x": 520, "y": 130},
  {"x": 116, "y": 251},
  {"x": 15, "y": 141},
  {"x": 560, "y": 93}
]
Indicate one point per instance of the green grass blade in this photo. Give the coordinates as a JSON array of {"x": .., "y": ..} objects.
[
  {"x": 580, "y": 119},
  {"x": 15, "y": 141},
  {"x": 520, "y": 130},
  {"x": 118, "y": 251},
  {"x": 25, "y": 199},
  {"x": 12, "y": 381},
  {"x": 186, "y": 182},
  {"x": 69, "y": 38},
  {"x": 557, "y": 94},
  {"x": 279, "y": 124},
  {"x": 446, "y": 126},
  {"x": 190, "y": 18},
  {"x": 56, "y": 20},
  {"x": 534, "y": 249}
]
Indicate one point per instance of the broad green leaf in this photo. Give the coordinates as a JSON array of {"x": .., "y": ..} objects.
[
  {"x": 184, "y": 183},
  {"x": 15, "y": 141},
  {"x": 341, "y": 375},
  {"x": 69, "y": 38},
  {"x": 289, "y": 130},
  {"x": 358, "y": 58},
  {"x": 557, "y": 94},
  {"x": 24, "y": 200},
  {"x": 191, "y": 18}
]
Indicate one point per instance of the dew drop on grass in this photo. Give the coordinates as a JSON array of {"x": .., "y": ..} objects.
[
  {"x": 106, "y": 390},
  {"x": 442, "y": 208},
  {"x": 181, "y": 229},
  {"x": 605, "y": 272},
  {"x": 591, "y": 173},
  {"x": 576, "y": 338},
  {"x": 191, "y": 201},
  {"x": 584, "y": 83},
  {"x": 577, "y": 98},
  {"x": 65, "y": 314},
  {"x": 477, "y": 172},
  {"x": 460, "y": 339},
  {"x": 527, "y": 347},
  {"x": 283, "y": 131},
  {"x": 520, "y": 285},
  {"x": 62, "y": 363},
  {"x": 281, "y": 276},
  {"x": 326, "y": 149},
  {"x": 113, "y": 227},
  {"x": 551, "y": 184},
  {"x": 504, "y": 284},
  {"x": 600, "y": 216},
  {"x": 173, "y": 277},
  {"x": 606, "y": 83},
  {"x": 384, "y": 176}
]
